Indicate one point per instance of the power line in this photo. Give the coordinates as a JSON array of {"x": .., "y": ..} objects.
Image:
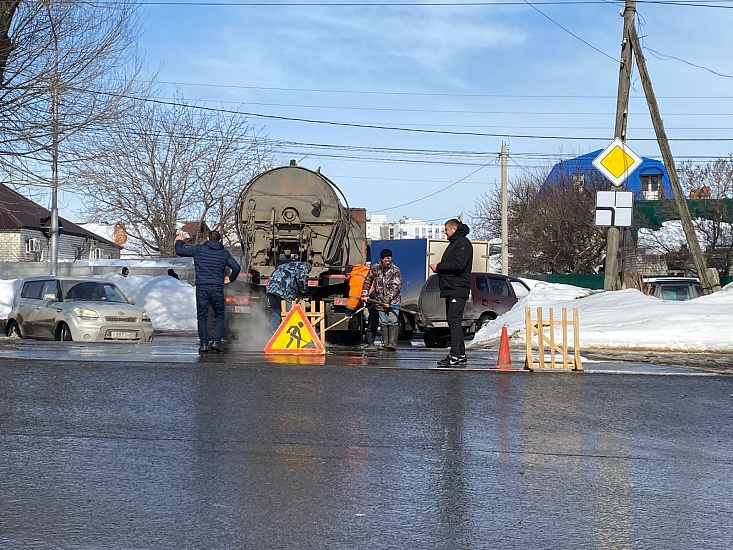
[
  {"x": 716, "y": 4},
  {"x": 401, "y": 128},
  {"x": 432, "y": 194},
  {"x": 416, "y": 93}
]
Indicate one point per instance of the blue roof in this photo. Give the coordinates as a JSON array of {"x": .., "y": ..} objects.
[{"x": 565, "y": 169}]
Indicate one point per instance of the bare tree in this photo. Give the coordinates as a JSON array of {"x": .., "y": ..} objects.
[
  {"x": 551, "y": 228},
  {"x": 83, "y": 54},
  {"x": 167, "y": 164},
  {"x": 712, "y": 184}
]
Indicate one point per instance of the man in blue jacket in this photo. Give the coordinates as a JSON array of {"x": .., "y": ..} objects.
[
  {"x": 210, "y": 261},
  {"x": 454, "y": 279}
]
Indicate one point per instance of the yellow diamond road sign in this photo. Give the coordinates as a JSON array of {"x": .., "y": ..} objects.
[{"x": 617, "y": 162}]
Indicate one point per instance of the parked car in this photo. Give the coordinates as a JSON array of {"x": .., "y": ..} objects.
[
  {"x": 673, "y": 288},
  {"x": 491, "y": 295},
  {"x": 81, "y": 309}
]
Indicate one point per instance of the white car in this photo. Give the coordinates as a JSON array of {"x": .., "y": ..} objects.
[{"x": 82, "y": 309}]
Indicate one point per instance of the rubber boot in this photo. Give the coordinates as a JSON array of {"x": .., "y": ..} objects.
[
  {"x": 369, "y": 341},
  {"x": 384, "y": 338},
  {"x": 392, "y": 332}
]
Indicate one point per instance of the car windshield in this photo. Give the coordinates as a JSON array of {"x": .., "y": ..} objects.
[
  {"x": 92, "y": 291},
  {"x": 676, "y": 292}
]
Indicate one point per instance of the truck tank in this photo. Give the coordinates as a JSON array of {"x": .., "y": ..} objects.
[{"x": 294, "y": 214}]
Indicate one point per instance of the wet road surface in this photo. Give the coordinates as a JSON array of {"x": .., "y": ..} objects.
[
  {"x": 155, "y": 447},
  {"x": 411, "y": 355}
]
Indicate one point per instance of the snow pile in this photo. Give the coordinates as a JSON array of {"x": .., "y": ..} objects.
[{"x": 626, "y": 319}]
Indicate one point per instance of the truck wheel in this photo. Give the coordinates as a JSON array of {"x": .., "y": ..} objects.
[
  {"x": 405, "y": 332},
  {"x": 350, "y": 338}
]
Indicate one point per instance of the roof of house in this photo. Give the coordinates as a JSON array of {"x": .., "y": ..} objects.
[
  {"x": 17, "y": 212},
  {"x": 584, "y": 165}
]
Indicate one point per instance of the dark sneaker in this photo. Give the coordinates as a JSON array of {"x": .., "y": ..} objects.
[
  {"x": 450, "y": 361},
  {"x": 216, "y": 347},
  {"x": 204, "y": 348},
  {"x": 462, "y": 359}
]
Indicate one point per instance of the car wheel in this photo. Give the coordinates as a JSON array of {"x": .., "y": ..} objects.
[
  {"x": 63, "y": 333},
  {"x": 484, "y": 320},
  {"x": 13, "y": 330},
  {"x": 430, "y": 339}
]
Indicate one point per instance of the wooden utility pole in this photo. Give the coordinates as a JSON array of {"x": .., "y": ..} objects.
[
  {"x": 504, "y": 211},
  {"x": 611, "y": 279},
  {"x": 708, "y": 277}
]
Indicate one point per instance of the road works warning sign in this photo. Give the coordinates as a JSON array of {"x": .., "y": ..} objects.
[{"x": 295, "y": 335}]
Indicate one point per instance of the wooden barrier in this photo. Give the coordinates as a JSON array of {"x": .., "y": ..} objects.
[
  {"x": 538, "y": 328},
  {"x": 315, "y": 311}
]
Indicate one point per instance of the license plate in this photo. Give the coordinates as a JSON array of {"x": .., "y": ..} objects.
[
  {"x": 123, "y": 334},
  {"x": 238, "y": 309}
]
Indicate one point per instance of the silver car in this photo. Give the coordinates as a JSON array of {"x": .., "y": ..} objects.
[{"x": 76, "y": 308}]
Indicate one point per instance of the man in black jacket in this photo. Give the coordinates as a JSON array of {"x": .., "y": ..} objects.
[
  {"x": 454, "y": 279},
  {"x": 210, "y": 261}
]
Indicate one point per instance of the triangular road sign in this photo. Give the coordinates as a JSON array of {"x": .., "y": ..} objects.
[{"x": 295, "y": 335}]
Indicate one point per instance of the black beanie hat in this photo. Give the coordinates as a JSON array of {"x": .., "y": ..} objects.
[{"x": 384, "y": 253}]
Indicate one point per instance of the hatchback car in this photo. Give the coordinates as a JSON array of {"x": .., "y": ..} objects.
[
  {"x": 78, "y": 309},
  {"x": 673, "y": 288},
  {"x": 491, "y": 295}
]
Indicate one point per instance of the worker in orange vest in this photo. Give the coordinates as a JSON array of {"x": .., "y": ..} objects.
[{"x": 355, "y": 275}]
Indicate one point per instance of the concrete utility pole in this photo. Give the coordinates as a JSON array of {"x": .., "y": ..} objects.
[
  {"x": 504, "y": 211},
  {"x": 611, "y": 279},
  {"x": 54, "y": 245},
  {"x": 708, "y": 277}
]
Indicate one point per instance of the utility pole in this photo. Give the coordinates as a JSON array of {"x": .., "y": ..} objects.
[
  {"x": 611, "y": 279},
  {"x": 708, "y": 277},
  {"x": 54, "y": 245},
  {"x": 504, "y": 211}
]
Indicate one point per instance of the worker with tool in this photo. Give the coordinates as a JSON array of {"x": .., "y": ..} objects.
[{"x": 385, "y": 281}]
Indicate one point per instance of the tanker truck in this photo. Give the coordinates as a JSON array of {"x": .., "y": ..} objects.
[{"x": 294, "y": 214}]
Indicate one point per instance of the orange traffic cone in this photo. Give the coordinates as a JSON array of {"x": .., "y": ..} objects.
[{"x": 505, "y": 358}]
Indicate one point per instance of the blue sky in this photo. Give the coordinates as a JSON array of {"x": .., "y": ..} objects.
[{"x": 450, "y": 82}]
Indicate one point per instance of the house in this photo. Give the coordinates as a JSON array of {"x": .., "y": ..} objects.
[
  {"x": 649, "y": 181},
  {"x": 23, "y": 240}
]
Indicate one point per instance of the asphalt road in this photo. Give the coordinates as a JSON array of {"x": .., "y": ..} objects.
[{"x": 155, "y": 447}]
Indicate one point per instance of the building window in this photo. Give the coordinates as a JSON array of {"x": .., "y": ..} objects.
[{"x": 651, "y": 186}]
